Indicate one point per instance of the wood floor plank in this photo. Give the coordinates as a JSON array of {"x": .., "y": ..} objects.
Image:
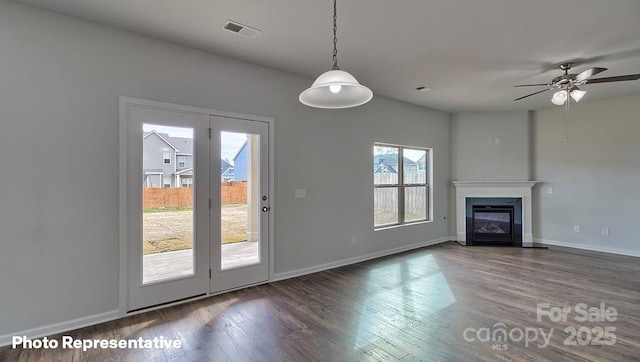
[{"x": 412, "y": 306}]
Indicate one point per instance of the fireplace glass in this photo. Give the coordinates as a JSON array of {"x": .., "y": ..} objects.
[{"x": 494, "y": 221}]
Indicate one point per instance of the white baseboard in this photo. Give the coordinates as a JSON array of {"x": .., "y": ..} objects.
[
  {"x": 56, "y": 328},
  {"x": 601, "y": 249},
  {"x": 357, "y": 259}
]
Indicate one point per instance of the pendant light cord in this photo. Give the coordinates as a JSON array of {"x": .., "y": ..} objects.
[{"x": 335, "y": 37}]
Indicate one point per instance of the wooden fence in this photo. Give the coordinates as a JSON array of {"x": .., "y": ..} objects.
[
  {"x": 234, "y": 192},
  {"x": 415, "y": 198},
  {"x": 166, "y": 197}
]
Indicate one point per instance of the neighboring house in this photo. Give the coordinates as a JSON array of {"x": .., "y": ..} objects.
[
  {"x": 167, "y": 161},
  {"x": 421, "y": 163},
  {"x": 227, "y": 171},
  {"x": 389, "y": 164},
  {"x": 240, "y": 162}
]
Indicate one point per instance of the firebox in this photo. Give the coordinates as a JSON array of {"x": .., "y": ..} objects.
[{"x": 494, "y": 221}]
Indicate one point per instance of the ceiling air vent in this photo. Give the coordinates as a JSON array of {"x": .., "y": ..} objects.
[{"x": 240, "y": 29}]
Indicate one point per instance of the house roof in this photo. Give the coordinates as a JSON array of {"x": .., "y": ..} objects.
[
  {"x": 182, "y": 145},
  {"x": 183, "y": 170},
  {"x": 391, "y": 160},
  {"x": 224, "y": 166}
]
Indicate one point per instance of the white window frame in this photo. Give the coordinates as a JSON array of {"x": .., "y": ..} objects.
[
  {"x": 182, "y": 161},
  {"x": 401, "y": 185},
  {"x": 166, "y": 181},
  {"x": 166, "y": 156},
  {"x": 187, "y": 182}
]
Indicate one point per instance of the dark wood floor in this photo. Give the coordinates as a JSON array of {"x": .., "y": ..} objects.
[{"x": 410, "y": 306}]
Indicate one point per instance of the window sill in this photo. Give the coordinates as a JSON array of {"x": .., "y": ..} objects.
[{"x": 395, "y": 226}]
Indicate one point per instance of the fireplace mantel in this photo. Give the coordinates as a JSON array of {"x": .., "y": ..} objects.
[{"x": 519, "y": 189}]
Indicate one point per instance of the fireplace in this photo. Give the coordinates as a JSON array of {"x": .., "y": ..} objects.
[
  {"x": 494, "y": 221},
  {"x": 494, "y": 201}
]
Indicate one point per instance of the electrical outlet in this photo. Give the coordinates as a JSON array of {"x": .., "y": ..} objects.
[
  {"x": 576, "y": 228},
  {"x": 550, "y": 190},
  {"x": 497, "y": 141},
  {"x": 353, "y": 239},
  {"x": 300, "y": 193},
  {"x": 605, "y": 231}
]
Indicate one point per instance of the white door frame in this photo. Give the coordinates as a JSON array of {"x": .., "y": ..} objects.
[{"x": 124, "y": 212}]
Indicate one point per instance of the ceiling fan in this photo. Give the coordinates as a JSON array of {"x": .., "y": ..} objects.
[{"x": 567, "y": 84}]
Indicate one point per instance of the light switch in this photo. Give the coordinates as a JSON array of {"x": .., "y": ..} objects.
[
  {"x": 497, "y": 140},
  {"x": 300, "y": 193},
  {"x": 550, "y": 190}
]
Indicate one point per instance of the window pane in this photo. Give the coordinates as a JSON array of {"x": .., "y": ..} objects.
[
  {"x": 415, "y": 166},
  {"x": 385, "y": 165},
  {"x": 167, "y": 219},
  {"x": 385, "y": 209},
  {"x": 240, "y": 200},
  {"x": 415, "y": 203}
]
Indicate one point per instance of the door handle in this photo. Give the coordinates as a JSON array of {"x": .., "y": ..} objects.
[{"x": 265, "y": 208}]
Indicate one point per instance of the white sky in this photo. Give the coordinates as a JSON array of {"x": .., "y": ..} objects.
[
  {"x": 231, "y": 142},
  {"x": 413, "y": 155}
]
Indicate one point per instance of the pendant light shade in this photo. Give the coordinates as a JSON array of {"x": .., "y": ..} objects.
[{"x": 336, "y": 89}]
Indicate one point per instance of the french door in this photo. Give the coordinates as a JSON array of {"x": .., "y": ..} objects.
[
  {"x": 238, "y": 263},
  {"x": 197, "y": 200}
]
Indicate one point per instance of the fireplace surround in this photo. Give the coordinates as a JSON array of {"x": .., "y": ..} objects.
[{"x": 487, "y": 190}]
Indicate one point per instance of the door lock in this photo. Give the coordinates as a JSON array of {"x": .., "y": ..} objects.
[{"x": 265, "y": 208}]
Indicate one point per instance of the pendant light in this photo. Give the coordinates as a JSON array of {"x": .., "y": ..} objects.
[{"x": 336, "y": 88}]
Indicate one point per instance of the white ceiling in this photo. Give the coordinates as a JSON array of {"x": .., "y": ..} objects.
[{"x": 470, "y": 52}]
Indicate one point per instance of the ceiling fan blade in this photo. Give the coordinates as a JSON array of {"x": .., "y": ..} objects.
[
  {"x": 589, "y": 73},
  {"x": 619, "y": 78},
  {"x": 532, "y": 85},
  {"x": 532, "y": 94}
]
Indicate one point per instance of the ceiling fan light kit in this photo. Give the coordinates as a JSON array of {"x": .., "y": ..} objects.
[
  {"x": 335, "y": 88},
  {"x": 568, "y": 86}
]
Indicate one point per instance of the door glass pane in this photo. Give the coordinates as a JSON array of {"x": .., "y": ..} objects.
[
  {"x": 167, "y": 198},
  {"x": 385, "y": 208},
  {"x": 239, "y": 199},
  {"x": 415, "y": 203}
]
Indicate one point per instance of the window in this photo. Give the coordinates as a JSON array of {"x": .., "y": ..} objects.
[
  {"x": 166, "y": 182},
  {"x": 400, "y": 187},
  {"x": 182, "y": 161},
  {"x": 166, "y": 156},
  {"x": 187, "y": 182}
]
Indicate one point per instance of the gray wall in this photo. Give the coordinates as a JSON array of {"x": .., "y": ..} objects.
[
  {"x": 475, "y": 154},
  {"x": 594, "y": 175},
  {"x": 60, "y": 80}
]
